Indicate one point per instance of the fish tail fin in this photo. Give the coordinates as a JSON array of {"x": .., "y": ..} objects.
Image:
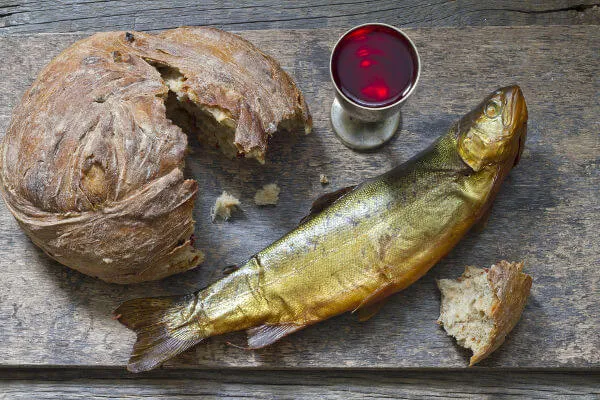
[{"x": 162, "y": 330}]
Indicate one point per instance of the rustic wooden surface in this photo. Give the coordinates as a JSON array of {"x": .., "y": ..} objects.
[
  {"x": 546, "y": 214},
  {"x": 93, "y": 384},
  {"x": 19, "y": 16}
]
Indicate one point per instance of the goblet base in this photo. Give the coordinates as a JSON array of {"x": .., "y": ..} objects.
[{"x": 361, "y": 135}]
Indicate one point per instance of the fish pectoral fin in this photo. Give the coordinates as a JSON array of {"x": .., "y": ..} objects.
[
  {"x": 265, "y": 335},
  {"x": 483, "y": 220},
  {"x": 371, "y": 304},
  {"x": 368, "y": 311},
  {"x": 325, "y": 201}
]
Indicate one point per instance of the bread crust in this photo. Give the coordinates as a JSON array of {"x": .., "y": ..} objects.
[
  {"x": 511, "y": 289},
  {"x": 91, "y": 167}
]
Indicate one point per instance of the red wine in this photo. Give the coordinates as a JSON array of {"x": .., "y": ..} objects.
[{"x": 374, "y": 66}]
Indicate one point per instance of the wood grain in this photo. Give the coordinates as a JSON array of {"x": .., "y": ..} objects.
[
  {"x": 546, "y": 214},
  {"x": 20, "y": 16},
  {"x": 94, "y": 384}
]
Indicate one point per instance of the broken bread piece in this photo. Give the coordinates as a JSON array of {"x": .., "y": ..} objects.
[
  {"x": 224, "y": 206},
  {"x": 268, "y": 195},
  {"x": 235, "y": 95},
  {"x": 483, "y": 305}
]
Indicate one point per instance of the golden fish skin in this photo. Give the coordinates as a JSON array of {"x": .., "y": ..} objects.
[{"x": 373, "y": 240}]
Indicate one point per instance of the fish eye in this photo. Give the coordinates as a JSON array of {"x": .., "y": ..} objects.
[{"x": 492, "y": 109}]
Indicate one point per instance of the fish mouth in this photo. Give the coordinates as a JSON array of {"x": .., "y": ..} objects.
[
  {"x": 518, "y": 117},
  {"x": 518, "y": 109}
]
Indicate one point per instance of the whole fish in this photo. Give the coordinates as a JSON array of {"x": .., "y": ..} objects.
[{"x": 358, "y": 245}]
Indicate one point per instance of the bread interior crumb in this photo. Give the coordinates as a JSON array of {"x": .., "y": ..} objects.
[
  {"x": 224, "y": 206},
  {"x": 212, "y": 125},
  {"x": 466, "y": 308},
  {"x": 268, "y": 195}
]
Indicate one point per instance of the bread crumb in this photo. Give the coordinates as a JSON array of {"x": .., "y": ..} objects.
[
  {"x": 224, "y": 206},
  {"x": 466, "y": 308},
  {"x": 268, "y": 195},
  {"x": 324, "y": 179},
  {"x": 483, "y": 305}
]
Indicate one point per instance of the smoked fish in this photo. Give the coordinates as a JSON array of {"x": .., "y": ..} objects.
[{"x": 358, "y": 246}]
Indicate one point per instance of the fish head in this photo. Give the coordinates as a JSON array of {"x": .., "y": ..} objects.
[{"x": 494, "y": 132}]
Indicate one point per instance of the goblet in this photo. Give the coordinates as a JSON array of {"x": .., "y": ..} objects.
[{"x": 374, "y": 69}]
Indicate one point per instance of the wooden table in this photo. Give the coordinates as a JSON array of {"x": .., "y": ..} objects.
[{"x": 57, "y": 339}]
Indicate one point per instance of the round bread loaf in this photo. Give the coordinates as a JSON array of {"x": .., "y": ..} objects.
[{"x": 91, "y": 165}]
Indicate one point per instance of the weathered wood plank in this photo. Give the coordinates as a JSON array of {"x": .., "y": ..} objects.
[
  {"x": 19, "y": 16},
  {"x": 547, "y": 213},
  {"x": 92, "y": 384}
]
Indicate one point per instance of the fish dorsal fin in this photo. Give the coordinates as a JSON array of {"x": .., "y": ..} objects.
[
  {"x": 230, "y": 269},
  {"x": 265, "y": 335},
  {"x": 328, "y": 199},
  {"x": 325, "y": 201},
  {"x": 368, "y": 311}
]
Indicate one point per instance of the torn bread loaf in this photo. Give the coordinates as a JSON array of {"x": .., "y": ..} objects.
[
  {"x": 224, "y": 206},
  {"x": 92, "y": 163},
  {"x": 482, "y": 306},
  {"x": 268, "y": 195}
]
